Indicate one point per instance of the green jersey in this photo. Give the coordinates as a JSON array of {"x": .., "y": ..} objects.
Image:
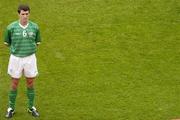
[{"x": 22, "y": 40}]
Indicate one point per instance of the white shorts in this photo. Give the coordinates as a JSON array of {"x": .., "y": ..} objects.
[{"x": 26, "y": 65}]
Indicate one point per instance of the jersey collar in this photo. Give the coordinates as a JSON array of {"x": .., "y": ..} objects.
[{"x": 24, "y": 27}]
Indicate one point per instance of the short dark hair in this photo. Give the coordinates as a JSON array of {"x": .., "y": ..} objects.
[{"x": 24, "y": 7}]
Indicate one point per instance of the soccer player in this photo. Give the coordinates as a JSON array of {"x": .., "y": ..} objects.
[{"x": 23, "y": 37}]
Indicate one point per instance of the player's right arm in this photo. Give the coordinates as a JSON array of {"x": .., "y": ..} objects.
[{"x": 7, "y": 36}]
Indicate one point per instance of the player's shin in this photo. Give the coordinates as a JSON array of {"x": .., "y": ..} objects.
[{"x": 31, "y": 96}]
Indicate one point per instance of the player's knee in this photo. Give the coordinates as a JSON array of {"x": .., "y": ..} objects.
[
  {"x": 30, "y": 83},
  {"x": 15, "y": 84}
]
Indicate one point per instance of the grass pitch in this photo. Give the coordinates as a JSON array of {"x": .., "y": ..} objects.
[{"x": 100, "y": 60}]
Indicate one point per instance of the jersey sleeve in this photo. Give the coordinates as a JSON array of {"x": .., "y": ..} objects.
[
  {"x": 38, "y": 37},
  {"x": 7, "y": 36}
]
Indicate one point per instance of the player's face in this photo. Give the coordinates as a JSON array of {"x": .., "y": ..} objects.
[{"x": 24, "y": 16}]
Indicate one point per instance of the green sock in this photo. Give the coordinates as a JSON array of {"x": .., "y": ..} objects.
[
  {"x": 12, "y": 98},
  {"x": 30, "y": 95}
]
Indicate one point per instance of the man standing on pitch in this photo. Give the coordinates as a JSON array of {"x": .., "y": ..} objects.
[{"x": 22, "y": 37}]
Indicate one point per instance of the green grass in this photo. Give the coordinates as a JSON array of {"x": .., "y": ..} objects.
[{"x": 101, "y": 60}]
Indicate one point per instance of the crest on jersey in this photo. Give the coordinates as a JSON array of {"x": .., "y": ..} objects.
[{"x": 30, "y": 34}]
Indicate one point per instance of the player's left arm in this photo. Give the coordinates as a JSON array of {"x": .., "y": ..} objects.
[{"x": 38, "y": 37}]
